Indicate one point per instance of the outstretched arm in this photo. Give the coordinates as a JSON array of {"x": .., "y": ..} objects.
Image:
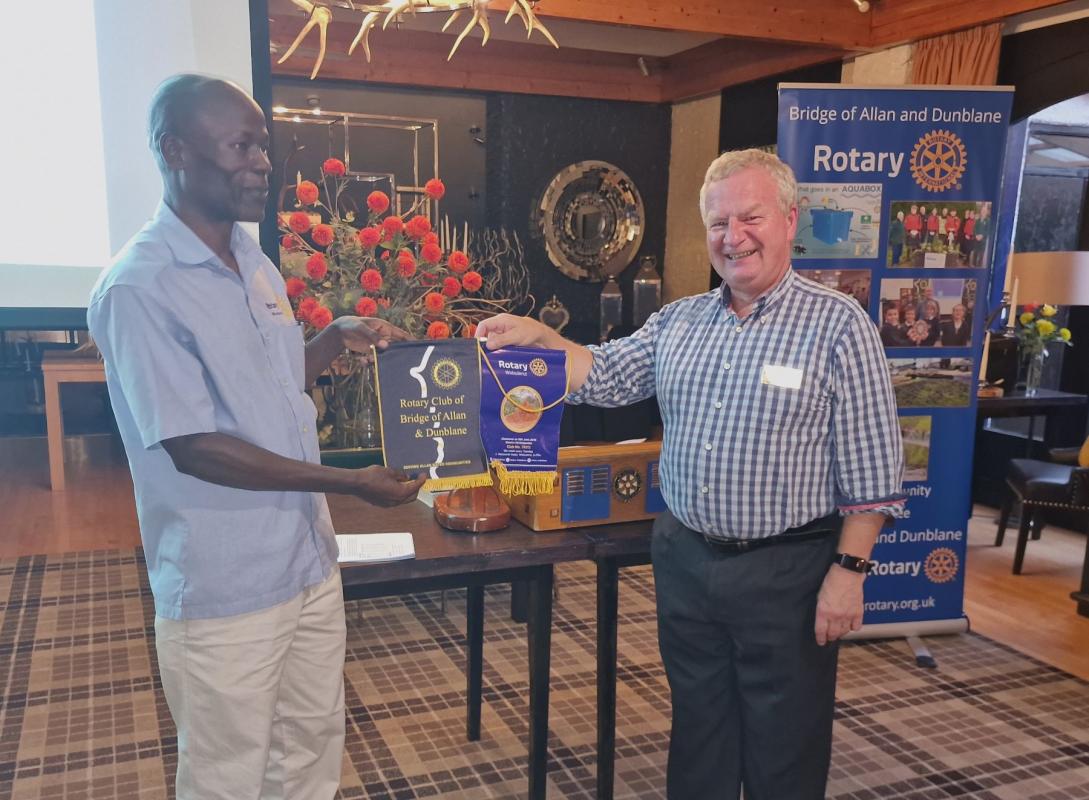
[{"x": 229, "y": 461}]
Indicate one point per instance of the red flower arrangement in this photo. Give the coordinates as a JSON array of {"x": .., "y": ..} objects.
[
  {"x": 378, "y": 202},
  {"x": 434, "y": 189},
  {"x": 451, "y": 287},
  {"x": 316, "y": 267},
  {"x": 369, "y": 237},
  {"x": 322, "y": 235},
  {"x": 334, "y": 167},
  {"x": 307, "y": 193},
  {"x": 438, "y": 330},
  {"x": 372, "y": 267},
  {"x": 297, "y": 222},
  {"x": 459, "y": 262},
  {"x": 472, "y": 281},
  {"x": 370, "y": 280},
  {"x": 389, "y": 265},
  {"x": 295, "y": 287},
  {"x": 434, "y": 302},
  {"x": 392, "y": 227},
  {"x": 431, "y": 253},
  {"x": 321, "y": 317}
]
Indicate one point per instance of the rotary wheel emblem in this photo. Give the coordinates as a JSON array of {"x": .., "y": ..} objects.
[
  {"x": 627, "y": 484},
  {"x": 941, "y": 565},
  {"x": 446, "y": 373},
  {"x": 938, "y": 161},
  {"x": 538, "y": 367}
]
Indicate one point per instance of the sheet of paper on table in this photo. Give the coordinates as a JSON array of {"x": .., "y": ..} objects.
[{"x": 357, "y": 548}]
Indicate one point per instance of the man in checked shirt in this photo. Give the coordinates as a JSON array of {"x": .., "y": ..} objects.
[{"x": 780, "y": 460}]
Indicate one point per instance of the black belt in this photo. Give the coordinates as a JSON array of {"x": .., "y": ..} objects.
[{"x": 816, "y": 529}]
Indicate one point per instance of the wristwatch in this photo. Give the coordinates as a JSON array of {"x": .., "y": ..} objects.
[{"x": 854, "y": 563}]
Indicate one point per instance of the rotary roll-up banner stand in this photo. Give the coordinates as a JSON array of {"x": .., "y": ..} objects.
[{"x": 897, "y": 188}]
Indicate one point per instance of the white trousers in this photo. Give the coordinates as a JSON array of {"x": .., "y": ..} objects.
[{"x": 258, "y": 699}]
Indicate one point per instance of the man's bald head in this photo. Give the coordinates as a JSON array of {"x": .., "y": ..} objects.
[
  {"x": 178, "y": 101},
  {"x": 211, "y": 142}
]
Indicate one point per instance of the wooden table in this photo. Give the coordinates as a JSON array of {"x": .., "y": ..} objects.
[
  {"x": 1046, "y": 403},
  {"x": 57, "y": 368},
  {"x": 448, "y": 560}
]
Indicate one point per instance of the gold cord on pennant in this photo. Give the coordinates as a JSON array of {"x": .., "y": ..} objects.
[{"x": 515, "y": 403}]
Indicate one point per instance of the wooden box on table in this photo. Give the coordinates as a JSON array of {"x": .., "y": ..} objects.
[{"x": 596, "y": 484}]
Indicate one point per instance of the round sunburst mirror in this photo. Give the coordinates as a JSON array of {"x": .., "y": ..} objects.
[{"x": 591, "y": 218}]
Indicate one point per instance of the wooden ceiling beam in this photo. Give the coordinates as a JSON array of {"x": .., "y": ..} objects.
[
  {"x": 788, "y": 35},
  {"x": 910, "y": 20},
  {"x": 727, "y": 62},
  {"x": 414, "y": 58},
  {"x": 835, "y": 23}
]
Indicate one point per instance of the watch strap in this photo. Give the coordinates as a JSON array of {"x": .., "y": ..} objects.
[{"x": 853, "y": 563}]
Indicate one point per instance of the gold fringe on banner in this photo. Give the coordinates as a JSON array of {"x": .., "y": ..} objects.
[
  {"x": 458, "y": 482},
  {"x": 513, "y": 482}
]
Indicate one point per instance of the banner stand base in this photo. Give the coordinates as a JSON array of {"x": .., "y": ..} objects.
[
  {"x": 912, "y": 632},
  {"x": 923, "y": 658},
  {"x": 898, "y": 630}
]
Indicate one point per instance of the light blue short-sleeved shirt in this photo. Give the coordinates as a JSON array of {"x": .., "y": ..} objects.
[{"x": 190, "y": 347}]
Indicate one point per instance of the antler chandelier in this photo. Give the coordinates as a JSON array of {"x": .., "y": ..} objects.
[{"x": 319, "y": 16}]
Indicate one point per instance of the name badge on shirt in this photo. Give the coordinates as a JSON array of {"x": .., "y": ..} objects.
[
  {"x": 275, "y": 303},
  {"x": 786, "y": 377}
]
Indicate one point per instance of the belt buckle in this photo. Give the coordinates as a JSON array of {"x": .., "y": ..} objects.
[{"x": 742, "y": 546}]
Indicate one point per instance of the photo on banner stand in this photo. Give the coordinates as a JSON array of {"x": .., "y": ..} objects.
[
  {"x": 838, "y": 220},
  {"x": 931, "y": 382},
  {"x": 915, "y": 432},
  {"x": 927, "y": 312},
  {"x": 938, "y": 234},
  {"x": 852, "y": 282}
]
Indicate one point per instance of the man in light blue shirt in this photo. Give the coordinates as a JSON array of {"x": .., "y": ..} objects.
[{"x": 207, "y": 372}]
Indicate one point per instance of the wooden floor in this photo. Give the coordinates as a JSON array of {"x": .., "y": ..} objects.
[{"x": 1031, "y": 612}]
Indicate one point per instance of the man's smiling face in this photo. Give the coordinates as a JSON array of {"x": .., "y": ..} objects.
[{"x": 748, "y": 233}]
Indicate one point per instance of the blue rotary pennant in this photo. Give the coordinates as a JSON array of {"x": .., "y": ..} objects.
[{"x": 520, "y": 411}]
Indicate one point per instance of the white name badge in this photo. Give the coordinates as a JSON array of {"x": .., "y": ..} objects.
[{"x": 786, "y": 377}]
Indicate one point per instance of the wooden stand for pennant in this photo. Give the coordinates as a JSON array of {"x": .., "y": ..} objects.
[{"x": 478, "y": 510}]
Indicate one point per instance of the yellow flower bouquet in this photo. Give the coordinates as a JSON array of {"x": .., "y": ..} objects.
[{"x": 1036, "y": 329}]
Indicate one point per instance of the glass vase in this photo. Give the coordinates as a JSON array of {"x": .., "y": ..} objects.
[
  {"x": 354, "y": 402},
  {"x": 1031, "y": 371}
]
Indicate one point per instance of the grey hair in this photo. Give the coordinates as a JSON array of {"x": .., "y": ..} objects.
[
  {"x": 734, "y": 161},
  {"x": 173, "y": 105}
]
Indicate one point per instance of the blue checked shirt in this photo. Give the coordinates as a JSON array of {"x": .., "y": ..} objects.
[{"x": 744, "y": 454}]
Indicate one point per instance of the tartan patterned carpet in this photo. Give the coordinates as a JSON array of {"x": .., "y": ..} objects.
[{"x": 82, "y": 714}]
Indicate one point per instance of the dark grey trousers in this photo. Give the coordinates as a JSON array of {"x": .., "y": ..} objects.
[{"x": 753, "y": 693}]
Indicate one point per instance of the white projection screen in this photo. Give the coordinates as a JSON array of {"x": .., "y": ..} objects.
[{"x": 80, "y": 179}]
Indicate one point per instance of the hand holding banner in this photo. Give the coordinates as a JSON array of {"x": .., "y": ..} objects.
[{"x": 434, "y": 413}]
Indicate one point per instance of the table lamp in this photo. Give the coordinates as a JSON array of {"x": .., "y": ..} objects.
[{"x": 1059, "y": 278}]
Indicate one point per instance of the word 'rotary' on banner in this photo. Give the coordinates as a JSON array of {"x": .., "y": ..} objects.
[
  {"x": 429, "y": 403},
  {"x": 521, "y": 406}
]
